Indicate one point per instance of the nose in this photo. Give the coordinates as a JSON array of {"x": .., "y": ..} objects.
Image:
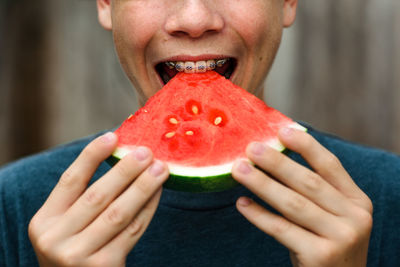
[{"x": 194, "y": 18}]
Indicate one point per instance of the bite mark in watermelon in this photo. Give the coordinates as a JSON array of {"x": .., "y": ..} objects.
[{"x": 199, "y": 124}]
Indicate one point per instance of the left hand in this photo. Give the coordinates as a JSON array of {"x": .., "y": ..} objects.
[{"x": 325, "y": 219}]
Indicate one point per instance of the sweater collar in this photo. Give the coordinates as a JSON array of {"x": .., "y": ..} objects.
[{"x": 203, "y": 201}]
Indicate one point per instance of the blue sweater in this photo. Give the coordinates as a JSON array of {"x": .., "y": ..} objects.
[{"x": 200, "y": 229}]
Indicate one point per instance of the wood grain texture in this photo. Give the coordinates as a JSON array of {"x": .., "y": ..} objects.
[
  {"x": 344, "y": 70},
  {"x": 23, "y": 86}
]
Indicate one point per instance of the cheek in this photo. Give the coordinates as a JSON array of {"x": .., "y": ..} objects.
[
  {"x": 256, "y": 21},
  {"x": 136, "y": 22}
]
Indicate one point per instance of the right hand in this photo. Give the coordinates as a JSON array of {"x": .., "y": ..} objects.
[{"x": 99, "y": 225}]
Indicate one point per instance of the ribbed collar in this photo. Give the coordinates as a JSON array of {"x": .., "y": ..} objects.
[{"x": 203, "y": 201}]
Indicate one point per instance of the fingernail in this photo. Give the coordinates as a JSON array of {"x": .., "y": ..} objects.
[
  {"x": 141, "y": 153},
  {"x": 108, "y": 137},
  {"x": 257, "y": 148},
  {"x": 156, "y": 168},
  {"x": 286, "y": 131},
  {"x": 244, "y": 167},
  {"x": 244, "y": 201}
]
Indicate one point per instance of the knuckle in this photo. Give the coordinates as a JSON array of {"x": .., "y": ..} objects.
[
  {"x": 69, "y": 257},
  {"x": 90, "y": 152},
  {"x": 364, "y": 220},
  {"x": 122, "y": 169},
  {"x": 348, "y": 236},
  {"x": 68, "y": 179},
  {"x": 115, "y": 217},
  {"x": 353, "y": 238},
  {"x": 331, "y": 161},
  {"x": 45, "y": 244},
  {"x": 296, "y": 203},
  {"x": 307, "y": 140},
  {"x": 274, "y": 161},
  {"x": 325, "y": 255},
  {"x": 369, "y": 207},
  {"x": 93, "y": 198},
  {"x": 312, "y": 182},
  {"x": 134, "y": 227},
  {"x": 33, "y": 228},
  {"x": 144, "y": 187},
  {"x": 279, "y": 226},
  {"x": 262, "y": 184}
]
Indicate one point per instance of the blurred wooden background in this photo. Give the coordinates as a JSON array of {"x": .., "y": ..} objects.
[{"x": 338, "y": 69}]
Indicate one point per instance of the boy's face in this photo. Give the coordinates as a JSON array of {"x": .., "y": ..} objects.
[{"x": 148, "y": 33}]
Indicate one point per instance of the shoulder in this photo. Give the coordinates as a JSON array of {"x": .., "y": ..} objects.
[
  {"x": 24, "y": 187},
  {"x": 30, "y": 179},
  {"x": 360, "y": 159},
  {"x": 375, "y": 171},
  {"x": 49, "y": 161}
]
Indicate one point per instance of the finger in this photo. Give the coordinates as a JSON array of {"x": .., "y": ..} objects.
[
  {"x": 292, "y": 205},
  {"x": 320, "y": 159},
  {"x": 326, "y": 164},
  {"x": 99, "y": 195},
  {"x": 285, "y": 232},
  {"x": 121, "y": 212},
  {"x": 124, "y": 242},
  {"x": 75, "y": 179},
  {"x": 299, "y": 178}
]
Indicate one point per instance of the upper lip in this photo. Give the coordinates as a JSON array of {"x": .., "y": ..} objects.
[{"x": 193, "y": 58}]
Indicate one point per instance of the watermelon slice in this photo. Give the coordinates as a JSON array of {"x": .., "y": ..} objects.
[{"x": 199, "y": 124}]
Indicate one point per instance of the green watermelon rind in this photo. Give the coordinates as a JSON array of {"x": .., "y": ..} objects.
[
  {"x": 207, "y": 179},
  {"x": 200, "y": 184},
  {"x": 193, "y": 184}
]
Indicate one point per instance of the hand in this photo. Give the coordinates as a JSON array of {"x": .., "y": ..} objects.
[
  {"x": 99, "y": 225},
  {"x": 325, "y": 218}
]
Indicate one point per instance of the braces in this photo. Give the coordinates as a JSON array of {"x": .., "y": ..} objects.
[{"x": 199, "y": 66}]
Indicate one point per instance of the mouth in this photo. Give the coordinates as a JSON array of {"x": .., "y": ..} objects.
[{"x": 168, "y": 69}]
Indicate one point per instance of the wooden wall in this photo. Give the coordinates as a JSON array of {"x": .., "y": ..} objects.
[
  {"x": 338, "y": 68},
  {"x": 344, "y": 69}
]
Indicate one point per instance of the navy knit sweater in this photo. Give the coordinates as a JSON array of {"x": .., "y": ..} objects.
[{"x": 200, "y": 229}]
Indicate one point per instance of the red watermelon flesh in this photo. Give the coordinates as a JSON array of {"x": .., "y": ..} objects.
[{"x": 200, "y": 120}]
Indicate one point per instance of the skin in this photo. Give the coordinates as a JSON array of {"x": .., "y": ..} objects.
[
  {"x": 325, "y": 218},
  {"x": 149, "y": 31}
]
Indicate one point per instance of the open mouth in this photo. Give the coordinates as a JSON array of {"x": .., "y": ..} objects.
[{"x": 167, "y": 70}]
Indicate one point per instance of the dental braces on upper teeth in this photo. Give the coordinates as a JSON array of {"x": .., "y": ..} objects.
[{"x": 198, "y": 66}]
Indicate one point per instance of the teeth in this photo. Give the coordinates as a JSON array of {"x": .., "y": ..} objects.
[
  {"x": 198, "y": 66},
  {"x": 210, "y": 64},
  {"x": 190, "y": 67},
  {"x": 170, "y": 64},
  {"x": 201, "y": 66},
  {"x": 180, "y": 66},
  {"x": 221, "y": 62}
]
